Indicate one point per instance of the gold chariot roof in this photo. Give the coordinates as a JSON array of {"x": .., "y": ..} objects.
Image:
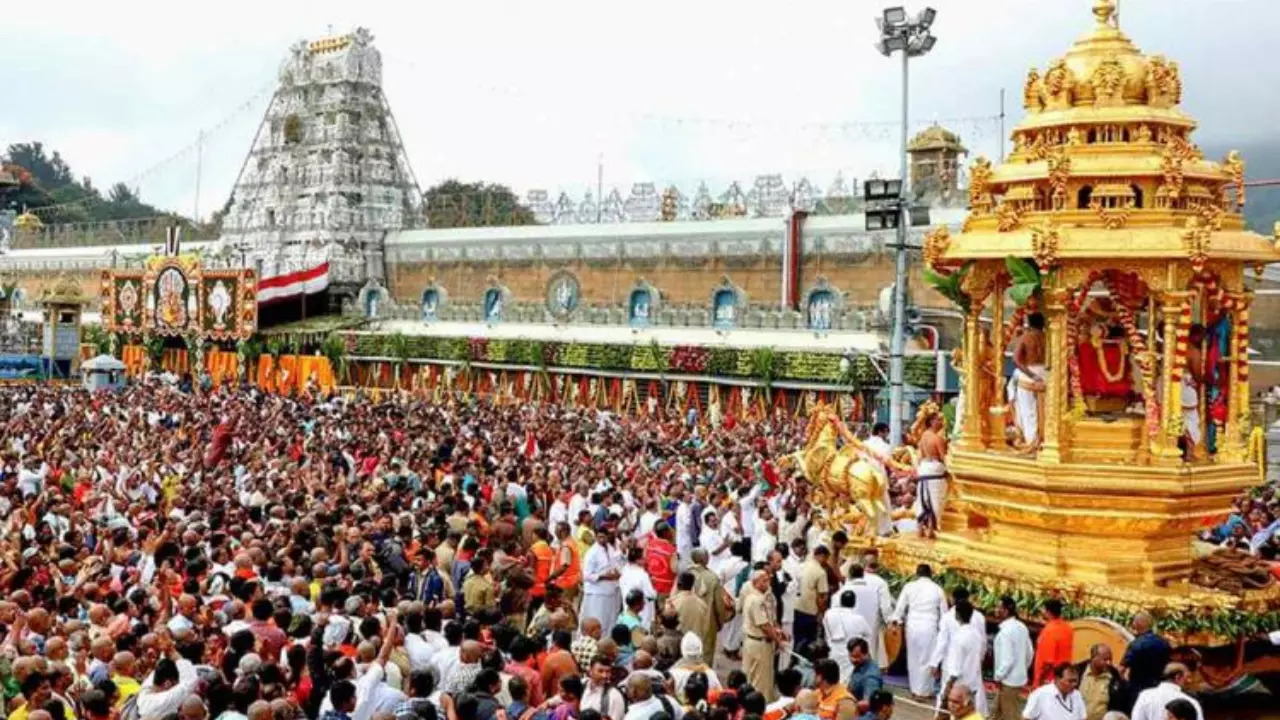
[{"x": 1103, "y": 166}]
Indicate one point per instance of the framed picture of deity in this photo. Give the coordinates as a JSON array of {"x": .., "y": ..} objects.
[
  {"x": 229, "y": 304},
  {"x": 643, "y": 304},
  {"x": 122, "y": 300},
  {"x": 172, "y": 303},
  {"x": 173, "y": 295}
]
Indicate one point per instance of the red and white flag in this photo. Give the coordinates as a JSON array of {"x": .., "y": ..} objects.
[
  {"x": 303, "y": 282},
  {"x": 531, "y": 449}
]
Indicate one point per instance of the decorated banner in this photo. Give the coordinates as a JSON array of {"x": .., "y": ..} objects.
[{"x": 175, "y": 295}]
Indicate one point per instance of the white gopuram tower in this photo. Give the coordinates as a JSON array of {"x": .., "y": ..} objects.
[{"x": 326, "y": 179}]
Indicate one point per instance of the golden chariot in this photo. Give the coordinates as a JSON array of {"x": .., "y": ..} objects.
[{"x": 1109, "y": 222}]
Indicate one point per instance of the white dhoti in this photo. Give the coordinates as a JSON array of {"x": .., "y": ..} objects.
[
  {"x": 1026, "y": 402},
  {"x": 603, "y": 607},
  {"x": 931, "y": 491},
  {"x": 1190, "y": 400},
  {"x": 920, "y": 638}
]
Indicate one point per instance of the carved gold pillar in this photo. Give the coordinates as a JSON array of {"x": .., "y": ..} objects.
[
  {"x": 995, "y": 376},
  {"x": 1054, "y": 401},
  {"x": 1171, "y": 368},
  {"x": 1232, "y": 446},
  {"x": 971, "y": 436}
]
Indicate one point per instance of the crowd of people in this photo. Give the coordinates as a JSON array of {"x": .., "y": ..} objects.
[{"x": 238, "y": 555}]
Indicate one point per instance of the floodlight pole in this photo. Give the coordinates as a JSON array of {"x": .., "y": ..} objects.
[{"x": 897, "y": 343}]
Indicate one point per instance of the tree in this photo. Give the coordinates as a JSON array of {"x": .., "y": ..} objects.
[
  {"x": 453, "y": 203},
  {"x": 47, "y": 172},
  {"x": 46, "y": 181}
]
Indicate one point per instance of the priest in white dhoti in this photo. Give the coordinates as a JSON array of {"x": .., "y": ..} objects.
[
  {"x": 920, "y": 608},
  {"x": 601, "y": 569},
  {"x": 841, "y": 624},
  {"x": 1029, "y": 379}
]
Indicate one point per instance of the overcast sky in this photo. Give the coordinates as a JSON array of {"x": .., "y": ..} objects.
[{"x": 531, "y": 93}]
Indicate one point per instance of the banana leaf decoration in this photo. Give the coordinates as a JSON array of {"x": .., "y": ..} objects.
[
  {"x": 1025, "y": 279},
  {"x": 950, "y": 286}
]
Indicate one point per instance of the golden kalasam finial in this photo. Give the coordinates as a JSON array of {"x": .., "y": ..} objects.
[{"x": 1107, "y": 14}]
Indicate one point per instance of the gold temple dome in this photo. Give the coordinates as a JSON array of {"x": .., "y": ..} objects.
[{"x": 1107, "y": 74}]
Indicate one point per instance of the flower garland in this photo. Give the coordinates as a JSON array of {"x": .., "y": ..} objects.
[
  {"x": 1074, "y": 305},
  {"x": 1099, "y": 349},
  {"x": 1175, "y": 424}
]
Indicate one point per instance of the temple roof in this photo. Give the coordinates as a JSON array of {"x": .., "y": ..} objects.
[
  {"x": 1103, "y": 163},
  {"x": 935, "y": 137},
  {"x": 64, "y": 292}
]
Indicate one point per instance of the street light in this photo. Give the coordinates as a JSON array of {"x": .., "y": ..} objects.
[{"x": 913, "y": 39}]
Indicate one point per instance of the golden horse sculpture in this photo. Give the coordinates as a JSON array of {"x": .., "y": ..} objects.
[{"x": 849, "y": 488}]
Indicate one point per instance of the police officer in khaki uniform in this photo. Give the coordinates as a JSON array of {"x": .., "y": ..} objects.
[{"x": 761, "y": 633}]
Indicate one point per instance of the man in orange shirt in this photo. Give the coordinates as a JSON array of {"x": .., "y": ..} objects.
[
  {"x": 541, "y": 558},
  {"x": 1053, "y": 647},
  {"x": 832, "y": 696}
]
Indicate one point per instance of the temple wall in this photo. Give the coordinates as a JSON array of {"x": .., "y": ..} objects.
[{"x": 680, "y": 284}]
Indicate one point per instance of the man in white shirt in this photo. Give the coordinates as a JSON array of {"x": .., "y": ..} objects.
[
  {"x": 1059, "y": 700},
  {"x": 947, "y": 629},
  {"x": 636, "y": 577},
  {"x": 644, "y": 704},
  {"x": 841, "y": 624},
  {"x": 764, "y": 541},
  {"x": 578, "y": 502},
  {"x": 880, "y": 451},
  {"x": 601, "y": 568},
  {"x": 963, "y": 663},
  {"x": 648, "y": 519},
  {"x": 1013, "y": 654},
  {"x": 875, "y": 607},
  {"x": 170, "y": 684},
  {"x": 600, "y": 695},
  {"x": 1152, "y": 701},
  {"x": 685, "y": 540},
  {"x": 920, "y": 607},
  {"x": 416, "y": 646}
]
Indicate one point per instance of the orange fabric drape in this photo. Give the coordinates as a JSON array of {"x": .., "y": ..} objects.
[
  {"x": 175, "y": 360},
  {"x": 294, "y": 370},
  {"x": 221, "y": 366},
  {"x": 134, "y": 358}
]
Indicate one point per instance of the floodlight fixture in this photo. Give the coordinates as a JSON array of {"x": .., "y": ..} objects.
[
  {"x": 895, "y": 16},
  {"x": 893, "y": 188},
  {"x": 927, "y": 43},
  {"x": 873, "y": 190},
  {"x": 925, "y": 18},
  {"x": 919, "y": 215},
  {"x": 894, "y": 43},
  {"x": 882, "y": 49}
]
